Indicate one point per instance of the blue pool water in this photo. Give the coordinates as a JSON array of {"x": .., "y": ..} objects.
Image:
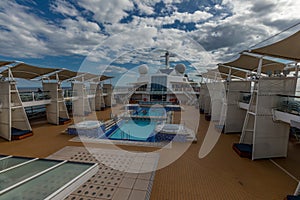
[{"x": 136, "y": 130}]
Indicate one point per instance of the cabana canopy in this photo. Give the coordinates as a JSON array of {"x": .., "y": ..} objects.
[
  {"x": 29, "y": 72},
  {"x": 82, "y": 76},
  {"x": 234, "y": 72},
  {"x": 288, "y": 48},
  {"x": 251, "y": 63},
  {"x": 26, "y": 71},
  {"x": 3, "y": 63},
  {"x": 63, "y": 74},
  {"x": 103, "y": 77}
]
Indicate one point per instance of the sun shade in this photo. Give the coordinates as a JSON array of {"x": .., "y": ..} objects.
[
  {"x": 103, "y": 77},
  {"x": 234, "y": 72},
  {"x": 4, "y": 63},
  {"x": 81, "y": 76},
  {"x": 26, "y": 71},
  {"x": 250, "y": 63},
  {"x": 288, "y": 48},
  {"x": 85, "y": 76},
  {"x": 63, "y": 75}
]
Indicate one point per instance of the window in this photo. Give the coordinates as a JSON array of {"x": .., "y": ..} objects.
[{"x": 158, "y": 83}]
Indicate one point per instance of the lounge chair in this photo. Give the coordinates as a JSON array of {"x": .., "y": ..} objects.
[
  {"x": 18, "y": 134},
  {"x": 243, "y": 150}
]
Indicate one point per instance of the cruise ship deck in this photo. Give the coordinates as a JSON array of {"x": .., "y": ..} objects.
[{"x": 220, "y": 175}]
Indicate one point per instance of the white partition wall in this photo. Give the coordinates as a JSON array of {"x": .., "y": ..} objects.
[
  {"x": 80, "y": 103},
  {"x": 269, "y": 138},
  {"x": 234, "y": 117},
  {"x": 97, "y": 102},
  {"x": 107, "y": 88},
  {"x": 216, "y": 92},
  {"x": 205, "y": 102},
  {"x": 201, "y": 97},
  {"x": 5, "y": 111},
  {"x": 57, "y": 107},
  {"x": 19, "y": 118},
  {"x": 12, "y": 112},
  {"x": 92, "y": 101},
  {"x": 63, "y": 111},
  {"x": 99, "y": 99}
]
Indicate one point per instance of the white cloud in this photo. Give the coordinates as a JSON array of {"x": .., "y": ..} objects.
[
  {"x": 20, "y": 32},
  {"x": 148, "y": 45},
  {"x": 181, "y": 17},
  {"x": 24, "y": 34},
  {"x": 111, "y": 68},
  {"x": 64, "y": 7},
  {"x": 147, "y": 6},
  {"x": 250, "y": 22},
  {"x": 191, "y": 17},
  {"x": 104, "y": 11}
]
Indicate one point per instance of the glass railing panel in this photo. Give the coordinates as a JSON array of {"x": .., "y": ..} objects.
[
  {"x": 289, "y": 104},
  {"x": 34, "y": 96},
  {"x": 245, "y": 97}
]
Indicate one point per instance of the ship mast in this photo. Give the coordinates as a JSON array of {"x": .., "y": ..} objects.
[
  {"x": 167, "y": 59},
  {"x": 167, "y": 56}
]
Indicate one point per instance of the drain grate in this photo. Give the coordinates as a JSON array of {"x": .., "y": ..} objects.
[{"x": 106, "y": 192}]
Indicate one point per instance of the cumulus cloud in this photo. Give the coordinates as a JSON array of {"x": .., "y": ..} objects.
[
  {"x": 184, "y": 17},
  {"x": 64, "y": 7},
  {"x": 221, "y": 30},
  {"x": 20, "y": 31},
  {"x": 24, "y": 34},
  {"x": 249, "y": 23},
  {"x": 104, "y": 11}
]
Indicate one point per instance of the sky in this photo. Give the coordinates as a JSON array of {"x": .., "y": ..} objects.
[{"x": 114, "y": 37}]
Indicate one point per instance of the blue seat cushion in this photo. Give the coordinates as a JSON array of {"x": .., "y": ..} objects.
[
  {"x": 292, "y": 197},
  {"x": 18, "y": 132}
]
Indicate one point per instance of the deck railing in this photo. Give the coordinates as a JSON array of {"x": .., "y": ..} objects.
[{"x": 34, "y": 96}]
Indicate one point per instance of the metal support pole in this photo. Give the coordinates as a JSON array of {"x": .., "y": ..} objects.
[
  {"x": 259, "y": 67},
  {"x": 297, "y": 69},
  {"x": 229, "y": 74}
]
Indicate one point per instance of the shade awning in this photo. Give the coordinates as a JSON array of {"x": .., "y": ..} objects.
[
  {"x": 251, "y": 63},
  {"x": 85, "y": 76},
  {"x": 101, "y": 78},
  {"x": 63, "y": 74},
  {"x": 288, "y": 48},
  {"x": 26, "y": 71},
  {"x": 234, "y": 72},
  {"x": 4, "y": 63},
  {"x": 104, "y": 77}
]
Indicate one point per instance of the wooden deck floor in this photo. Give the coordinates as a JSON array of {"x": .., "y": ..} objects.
[{"x": 220, "y": 175}]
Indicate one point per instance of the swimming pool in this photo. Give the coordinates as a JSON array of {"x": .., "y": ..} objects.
[{"x": 135, "y": 130}]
